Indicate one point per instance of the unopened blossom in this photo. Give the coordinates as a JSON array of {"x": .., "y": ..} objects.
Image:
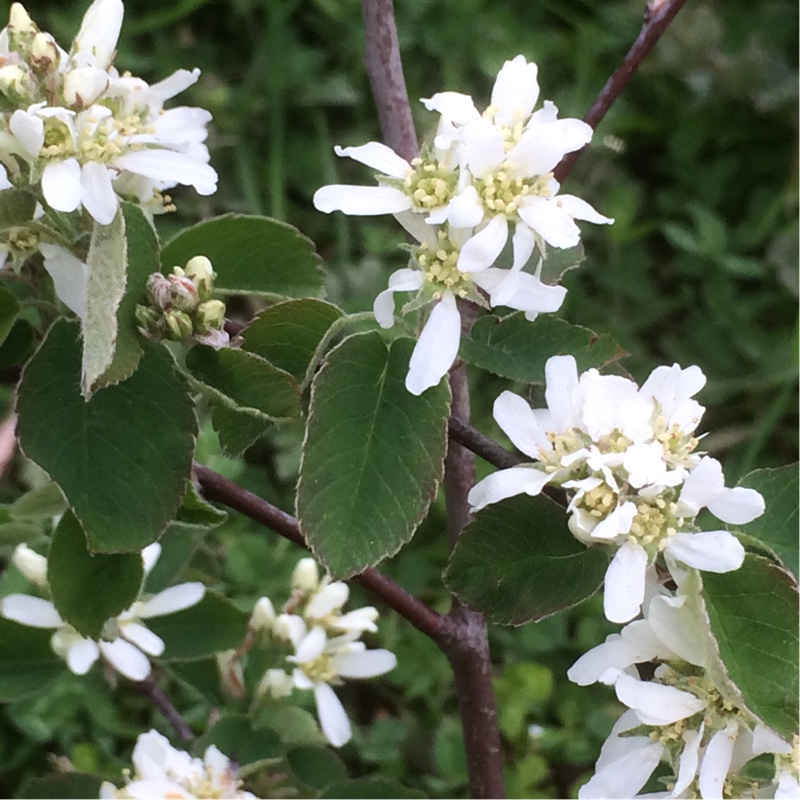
[
  {"x": 627, "y": 457},
  {"x": 160, "y": 770},
  {"x": 681, "y": 716},
  {"x": 126, "y": 643}
]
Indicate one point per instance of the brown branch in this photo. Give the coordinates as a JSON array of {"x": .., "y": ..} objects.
[
  {"x": 150, "y": 689},
  {"x": 482, "y": 445},
  {"x": 219, "y": 489},
  {"x": 658, "y": 15},
  {"x": 385, "y": 69}
]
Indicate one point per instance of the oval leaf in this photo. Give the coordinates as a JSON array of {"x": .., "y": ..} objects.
[
  {"x": 373, "y": 455},
  {"x": 518, "y": 349},
  {"x": 237, "y": 430},
  {"x": 89, "y": 589},
  {"x": 27, "y": 662},
  {"x": 122, "y": 458},
  {"x": 517, "y": 562},
  {"x": 246, "y": 381},
  {"x": 235, "y": 737},
  {"x": 212, "y": 625},
  {"x": 317, "y": 767},
  {"x": 251, "y": 255},
  {"x": 753, "y": 614}
]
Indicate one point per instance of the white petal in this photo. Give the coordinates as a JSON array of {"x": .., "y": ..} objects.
[
  {"x": 625, "y": 776},
  {"x": 465, "y": 209},
  {"x": 455, "y": 106},
  {"x": 5, "y": 183},
  {"x": 737, "y": 506},
  {"x": 624, "y": 583},
  {"x": 520, "y": 290},
  {"x": 615, "y": 653},
  {"x": 328, "y": 599},
  {"x": 788, "y": 787},
  {"x": 562, "y": 392},
  {"x": 617, "y": 523},
  {"x": 484, "y": 247},
  {"x": 677, "y": 624},
  {"x": 150, "y": 556},
  {"x": 710, "y": 551},
  {"x": 378, "y": 156},
  {"x": 689, "y": 758},
  {"x": 126, "y": 659},
  {"x": 61, "y": 185},
  {"x": 552, "y": 223},
  {"x": 716, "y": 761},
  {"x": 483, "y": 148},
  {"x": 174, "y": 84},
  {"x": 704, "y": 483},
  {"x": 99, "y": 198},
  {"x": 332, "y": 716},
  {"x": 32, "y": 611},
  {"x": 168, "y": 166},
  {"x": 366, "y": 664},
  {"x": 580, "y": 209},
  {"x": 312, "y": 645},
  {"x": 84, "y": 85},
  {"x": 403, "y": 280},
  {"x": 361, "y": 200},
  {"x": 523, "y": 241},
  {"x": 507, "y": 483},
  {"x": 176, "y": 598},
  {"x": 81, "y": 655},
  {"x": 143, "y": 638},
  {"x": 436, "y": 348},
  {"x": 513, "y": 414},
  {"x": 515, "y": 91},
  {"x": 536, "y": 154},
  {"x": 70, "y": 276},
  {"x": 100, "y": 30},
  {"x": 654, "y": 703},
  {"x": 28, "y": 130}
]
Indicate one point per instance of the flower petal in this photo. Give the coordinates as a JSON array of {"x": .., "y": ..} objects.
[
  {"x": 330, "y": 598},
  {"x": 654, "y": 703},
  {"x": 81, "y": 655},
  {"x": 515, "y": 417},
  {"x": 507, "y": 483},
  {"x": 143, "y": 638},
  {"x": 32, "y": 611},
  {"x": 482, "y": 250},
  {"x": 99, "y": 31},
  {"x": 366, "y": 664},
  {"x": 70, "y": 276},
  {"x": 515, "y": 91},
  {"x": 465, "y": 209},
  {"x": 363, "y": 201},
  {"x": 562, "y": 392},
  {"x": 168, "y": 166},
  {"x": 627, "y": 774},
  {"x": 710, "y": 551},
  {"x": 624, "y": 583},
  {"x": 312, "y": 645},
  {"x": 403, "y": 280},
  {"x": 483, "y": 148},
  {"x": 99, "y": 198},
  {"x": 716, "y": 761},
  {"x": 126, "y": 659},
  {"x": 378, "y": 156},
  {"x": 176, "y": 598},
  {"x": 580, "y": 209},
  {"x": 332, "y": 716},
  {"x": 436, "y": 348},
  {"x": 552, "y": 223},
  {"x": 737, "y": 506},
  {"x": 28, "y": 130},
  {"x": 455, "y": 106},
  {"x": 61, "y": 185}
]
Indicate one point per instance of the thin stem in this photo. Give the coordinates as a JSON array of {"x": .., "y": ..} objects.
[
  {"x": 482, "y": 445},
  {"x": 219, "y": 489},
  {"x": 385, "y": 69},
  {"x": 150, "y": 689},
  {"x": 657, "y": 17}
]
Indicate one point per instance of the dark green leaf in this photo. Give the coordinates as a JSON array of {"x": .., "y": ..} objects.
[
  {"x": 235, "y": 737},
  {"x": 753, "y": 613},
  {"x": 69, "y": 786},
  {"x": 373, "y": 455},
  {"x": 89, "y": 589},
  {"x": 214, "y": 624},
  {"x": 370, "y": 789},
  {"x": 247, "y": 381},
  {"x": 517, "y": 562},
  {"x": 17, "y": 207},
  {"x": 557, "y": 262},
  {"x": 9, "y": 308},
  {"x": 17, "y": 345},
  {"x": 195, "y": 511},
  {"x": 178, "y": 543},
  {"x": 317, "y": 767},
  {"x": 237, "y": 430},
  {"x": 251, "y": 255},
  {"x": 14, "y": 533},
  {"x": 777, "y": 526},
  {"x": 518, "y": 349},
  {"x": 294, "y": 725},
  {"x": 122, "y": 458},
  {"x": 27, "y": 662},
  {"x": 288, "y": 334}
]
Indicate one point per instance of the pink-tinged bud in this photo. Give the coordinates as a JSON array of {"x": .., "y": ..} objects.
[
  {"x": 182, "y": 293},
  {"x": 158, "y": 288}
]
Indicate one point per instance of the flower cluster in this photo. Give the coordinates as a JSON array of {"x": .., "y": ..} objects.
[
  {"x": 181, "y": 305},
  {"x": 627, "y": 456},
  {"x": 682, "y": 715},
  {"x": 126, "y": 643},
  {"x": 326, "y": 645},
  {"x": 483, "y": 175},
  {"x": 163, "y": 771}
]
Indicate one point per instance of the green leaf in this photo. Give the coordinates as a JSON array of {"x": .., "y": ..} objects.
[
  {"x": 288, "y": 334},
  {"x": 251, "y": 255},
  {"x": 517, "y": 562},
  {"x": 122, "y": 458},
  {"x": 557, "y": 262},
  {"x": 777, "y": 526},
  {"x": 373, "y": 455},
  {"x": 370, "y": 789},
  {"x": 17, "y": 207},
  {"x": 237, "y": 430},
  {"x": 89, "y": 589},
  {"x": 196, "y": 512},
  {"x": 235, "y": 737},
  {"x": 9, "y": 308},
  {"x": 753, "y": 613},
  {"x": 27, "y": 662},
  {"x": 246, "y": 381},
  {"x": 517, "y": 349},
  {"x": 293, "y": 725},
  {"x": 14, "y": 533},
  {"x": 178, "y": 544},
  {"x": 214, "y": 624},
  {"x": 18, "y": 343},
  {"x": 316, "y": 767},
  {"x": 67, "y": 786},
  {"x": 40, "y": 503}
]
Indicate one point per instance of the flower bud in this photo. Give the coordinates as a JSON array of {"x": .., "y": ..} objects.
[
  {"x": 275, "y": 683},
  {"x": 182, "y": 293},
  {"x": 306, "y": 575},
  {"x": 263, "y": 616},
  {"x": 16, "y": 83},
  {"x": 199, "y": 269},
  {"x": 30, "y": 564},
  {"x": 21, "y": 30},
  {"x": 148, "y": 320},
  {"x": 209, "y": 316},
  {"x": 157, "y": 288},
  {"x": 230, "y": 669},
  {"x": 45, "y": 53},
  {"x": 179, "y": 325},
  {"x": 82, "y": 86}
]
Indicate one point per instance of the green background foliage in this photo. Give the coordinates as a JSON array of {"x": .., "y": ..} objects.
[{"x": 696, "y": 161}]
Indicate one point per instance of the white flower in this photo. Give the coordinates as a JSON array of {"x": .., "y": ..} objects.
[
  {"x": 322, "y": 661},
  {"x": 163, "y": 771},
  {"x": 32, "y": 565},
  {"x": 626, "y": 456},
  {"x": 126, "y": 642}
]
